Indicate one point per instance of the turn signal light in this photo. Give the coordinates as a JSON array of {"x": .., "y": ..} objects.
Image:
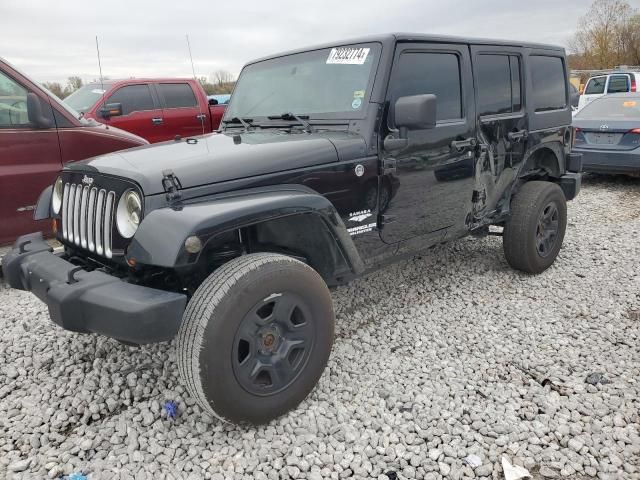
[{"x": 54, "y": 225}]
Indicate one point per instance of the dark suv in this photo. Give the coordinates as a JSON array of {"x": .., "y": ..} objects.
[{"x": 331, "y": 161}]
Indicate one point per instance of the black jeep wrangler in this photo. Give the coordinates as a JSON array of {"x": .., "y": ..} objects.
[{"x": 330, "y": 161}]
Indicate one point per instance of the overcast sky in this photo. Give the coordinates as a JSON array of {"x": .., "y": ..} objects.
[{"x": 52, "y": 40}]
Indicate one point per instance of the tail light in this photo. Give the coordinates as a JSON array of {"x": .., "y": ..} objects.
[
  {"x": 635, "y": 130},
  {"x": 576, "y": 131},
  {"x": 633, "y": 83}
]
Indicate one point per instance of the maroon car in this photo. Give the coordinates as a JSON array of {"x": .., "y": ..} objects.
[
  {"x": 156, "y": 109},
  {"x": 37, "y": 135}
]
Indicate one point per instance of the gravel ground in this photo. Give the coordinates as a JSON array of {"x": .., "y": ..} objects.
[{"x": 439, "y": 357}]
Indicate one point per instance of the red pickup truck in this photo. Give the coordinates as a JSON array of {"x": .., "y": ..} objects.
[
  {"x": 156, "y": 109},
  {"x": 38, "y": 133}
]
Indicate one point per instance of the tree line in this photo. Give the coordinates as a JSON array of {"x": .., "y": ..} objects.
[
  {"x": 219, "y": 82},
  {"x": 606, "y": 37}
]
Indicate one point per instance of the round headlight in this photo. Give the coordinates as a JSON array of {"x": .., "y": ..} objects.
[
  {"x": 56, "y": 197},
  {"x": 129, "y": 213}
]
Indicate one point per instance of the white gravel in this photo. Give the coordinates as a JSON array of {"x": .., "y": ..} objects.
[{"x": 445, "y": 357}]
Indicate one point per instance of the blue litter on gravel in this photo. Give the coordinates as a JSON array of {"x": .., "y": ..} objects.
[
  {"x": 171, "y": 408},
  {"x": 75, "y": 476}
]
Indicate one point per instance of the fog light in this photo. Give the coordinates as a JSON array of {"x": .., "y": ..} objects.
[{"x": 192, "y": 244}]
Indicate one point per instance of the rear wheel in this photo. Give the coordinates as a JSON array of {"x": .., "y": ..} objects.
[
  {"x": 256, "y": 337},
  {"x": 534, "y": 233}
]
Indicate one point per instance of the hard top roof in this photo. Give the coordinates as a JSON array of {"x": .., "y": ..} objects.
[{"x": 390, "y": 38}]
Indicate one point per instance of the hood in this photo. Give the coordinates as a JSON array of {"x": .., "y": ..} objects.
[
  {"x": 92, "y": 123},
  {"x": 224, "y": 157}
]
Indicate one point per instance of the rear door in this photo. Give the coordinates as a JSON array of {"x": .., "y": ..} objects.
[
  {"x": 29, "y": 160},
  {"x": 182, "y": 113},
  {"x": 501, "y": 119},
  {"x": 435, "y": 171},
  {"x": 595, "y": 88},
  {"x": 141, "y": 113}
]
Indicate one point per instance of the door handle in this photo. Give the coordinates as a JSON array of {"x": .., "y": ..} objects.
[
  {"x": 462, "y": 144},
  {"x": 201, "y": 117},
  {"x": 517, "y": 135},
  {"x": 157, "y": 121}
]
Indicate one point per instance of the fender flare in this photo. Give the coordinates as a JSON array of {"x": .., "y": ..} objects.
[{"x": 159, "y": 241}]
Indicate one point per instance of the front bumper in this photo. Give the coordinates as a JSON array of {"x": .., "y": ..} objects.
[
  {"x": 92, "y": 301},
  {"x": 608, "y": 161}
]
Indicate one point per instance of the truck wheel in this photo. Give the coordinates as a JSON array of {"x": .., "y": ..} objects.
[
  {"x": 256, "y": 337},
  {"x": 534, "y": 233}
]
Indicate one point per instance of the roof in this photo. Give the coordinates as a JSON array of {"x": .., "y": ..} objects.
[
  {"x": 417, "y": 37},
  {"x": 113, "y": 81}
]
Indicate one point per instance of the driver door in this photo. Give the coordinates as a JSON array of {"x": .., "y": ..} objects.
[{"x": 435, "y": 170}]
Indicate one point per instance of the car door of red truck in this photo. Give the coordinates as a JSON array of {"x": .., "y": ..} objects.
[{"x": 184, "y": 113}]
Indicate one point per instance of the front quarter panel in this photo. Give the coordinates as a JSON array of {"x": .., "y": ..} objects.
[{"x": 160, "y": 238}]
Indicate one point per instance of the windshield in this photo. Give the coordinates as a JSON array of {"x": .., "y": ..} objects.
[
  {"x": 84, "y": 98},
  {"x": 612, "y": 108},
  {"x": 332, "y": 82}
]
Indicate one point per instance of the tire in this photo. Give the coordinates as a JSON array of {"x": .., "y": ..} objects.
[
  {"x": 256, "y": 337},
  {"x": 537, "y": 209}
]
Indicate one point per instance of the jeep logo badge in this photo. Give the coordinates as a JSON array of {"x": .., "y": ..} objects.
[{"x": 87, "y": 180}]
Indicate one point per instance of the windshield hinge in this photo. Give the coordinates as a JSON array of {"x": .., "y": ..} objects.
[{"x": 171, "y": 185}]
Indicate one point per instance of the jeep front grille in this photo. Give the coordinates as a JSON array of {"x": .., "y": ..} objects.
[{"x": 87, "y": 214}]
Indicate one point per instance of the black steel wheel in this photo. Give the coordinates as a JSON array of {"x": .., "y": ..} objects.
[
  {"x": 534, "y": 233},
  {"x": 547, "y": 230},
  {"x": 273, "y": 344},
  {"x": 256, "y": 337}
]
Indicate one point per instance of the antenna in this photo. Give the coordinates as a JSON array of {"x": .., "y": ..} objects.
[
  {"x": 101, "y": 77},
  {"x": 201, "y": 117}
]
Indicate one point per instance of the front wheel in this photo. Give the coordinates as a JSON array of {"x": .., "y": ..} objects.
[
  {"x": 256, "y": 337},
  {"x": 534, "y": 233}
]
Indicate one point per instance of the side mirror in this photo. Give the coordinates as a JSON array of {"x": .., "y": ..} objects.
[
  {"x": 213, "y": 101},
  {"x": 110, "y": 110},
  {"x": 415, "y": 112},
  {"x": 34, "y": 112}
]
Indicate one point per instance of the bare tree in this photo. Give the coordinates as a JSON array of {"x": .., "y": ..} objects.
[
  {"x": 221, "y": 77},
  {"x": 74, "y": 83},
  {"x": 55, "y": 88},
  {"x": 603, "y": 36}
]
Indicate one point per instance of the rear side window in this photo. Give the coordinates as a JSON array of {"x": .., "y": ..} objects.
[
  {"x": 177, "y": 95},
  {"x": 549, "y": 83},
  {"x": 499, "y": 89},
  {"x": 133, "y": 98},
  {"x": 420, "y": 73},
  {"x": 618, "y": 84},
  {"x": 595, "y": 86}
]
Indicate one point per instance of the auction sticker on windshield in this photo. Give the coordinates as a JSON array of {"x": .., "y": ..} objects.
[{"x": 348, "y": 56}]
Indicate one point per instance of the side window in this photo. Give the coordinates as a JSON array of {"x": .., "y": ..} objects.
[
  {"x": 177, "y": 95},
  {"x": 618, "y": 84},
  {"x": 434, "y": 73},
  {"x": 499, "y": 83},
  {"x": 549, "y": 83},
  {"x": 13, "y": 103},
  {"x": 595, "y": 86},
  {"x": 134, "y": 98}
]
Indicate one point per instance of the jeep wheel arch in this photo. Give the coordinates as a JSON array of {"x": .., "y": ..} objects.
[{"x": 289, "y": 219}]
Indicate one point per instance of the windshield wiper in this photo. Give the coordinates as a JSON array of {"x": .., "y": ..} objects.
[
  {"x": 245, "y": 122},
  {"x": 301, "y": 119}
]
